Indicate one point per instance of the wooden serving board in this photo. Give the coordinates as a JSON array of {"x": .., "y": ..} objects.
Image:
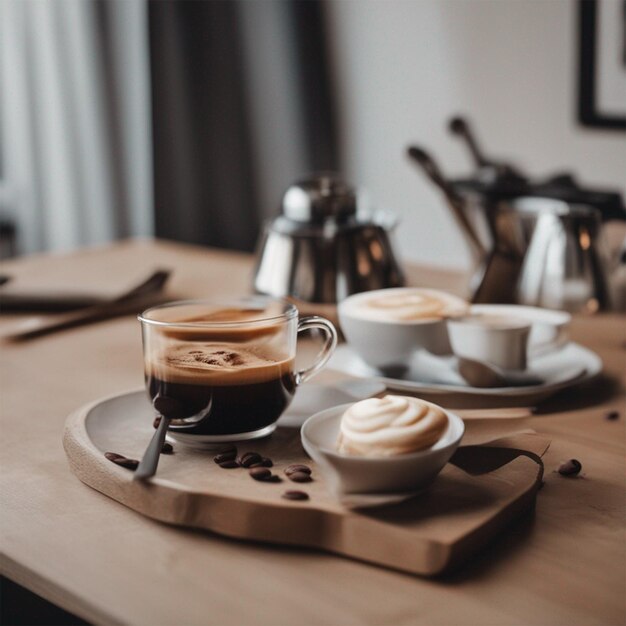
[{"x": 471, "y": 500}]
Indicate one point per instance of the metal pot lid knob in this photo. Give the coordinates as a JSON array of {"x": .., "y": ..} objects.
[{"x": 319, "y": 198}]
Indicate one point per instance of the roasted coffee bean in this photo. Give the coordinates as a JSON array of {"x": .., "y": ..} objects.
[
  {"x": 295, "y": 495},
  {"x": 167, "y": 448},
  {"x": 570, "y": 468},
  {"x": 297, "y": 467},
  {"x": 248, "y": 459},
  {"x": 260, "y": 473},
  {"x": 156, "y": 422},
  {"x": 300, "y": 477},
  {"x": 264, "y": 462},
  {"x": 611, "y": 415},
  {"x": 130, "y": 464},
  {"x": 112, "y": 456},
  {"x": 170, "y": 407},
  {"x": 225, "y": 456},
  {"x": 229, "y": 464}
]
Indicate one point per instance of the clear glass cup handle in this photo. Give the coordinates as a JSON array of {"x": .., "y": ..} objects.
[{"x": 308, "y": 323}]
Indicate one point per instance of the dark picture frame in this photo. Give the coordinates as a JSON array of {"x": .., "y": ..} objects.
[{"x": 589, "y": 113}]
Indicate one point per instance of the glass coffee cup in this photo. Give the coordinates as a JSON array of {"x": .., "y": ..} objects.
[{"x": 224, "y": 370}]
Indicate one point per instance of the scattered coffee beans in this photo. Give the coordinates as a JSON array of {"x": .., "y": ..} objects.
[
  {"x": 295, "y": 495},
  {"x": 611, "y": 415},
  {"x": 249, "y": 458},
  {"x": 167, "y": 448},
  {"x": 112, "y": 456},
  {"x": 300, "y": 477},
  {"x": 130, "y": 464},
  {"x": 297, "y": 467},
  {"x": 229, "y": 464},
  {"x": 156, "y": 422},
  {"x": 260, "y": 473},
  {"x": 222, "y": 457},
  {"x": 258, "y": 468},
  {"x": 122, "y": 461},
  {"x": 570, "y": 468}
]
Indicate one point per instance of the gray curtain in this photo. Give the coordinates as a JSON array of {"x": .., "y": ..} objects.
[
  {"x": 75, "y": 129},
  {"x": 242, "y": 104}
]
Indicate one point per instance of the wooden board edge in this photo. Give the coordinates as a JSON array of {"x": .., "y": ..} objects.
[
  {"x": 326, "y": 528},
  {"x": 88, "y": 464},
  {"x": 474, "y": 541}
]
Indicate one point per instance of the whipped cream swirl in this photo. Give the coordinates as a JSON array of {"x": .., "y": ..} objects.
[{"x": 390, "y": 426}]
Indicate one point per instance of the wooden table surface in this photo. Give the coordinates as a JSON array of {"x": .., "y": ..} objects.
[{"x": 564, "y": 564}]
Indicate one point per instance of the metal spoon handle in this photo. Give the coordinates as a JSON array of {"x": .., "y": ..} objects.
[
  {"x": 456, "y": 203},
  {"x": 460, "y": 126},
  {"x": 148, "y": 465}
]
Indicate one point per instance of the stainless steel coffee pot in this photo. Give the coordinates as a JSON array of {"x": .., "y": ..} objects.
[
  {"x": 566, "y": 264},
  {"x": 324, "y": 246},
  {"x": 501, "y": 212}
]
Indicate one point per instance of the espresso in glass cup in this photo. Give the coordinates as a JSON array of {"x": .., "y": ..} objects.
[{"x": 225, "y": 370}]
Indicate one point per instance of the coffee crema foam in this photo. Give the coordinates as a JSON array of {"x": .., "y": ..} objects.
[
  {"x": 216, "y": 364},
  {"x": 408, "y": 305}
]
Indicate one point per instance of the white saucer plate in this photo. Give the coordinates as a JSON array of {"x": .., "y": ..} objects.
[{"x": 570, "y": 365}]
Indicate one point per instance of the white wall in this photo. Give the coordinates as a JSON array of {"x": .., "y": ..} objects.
[{"x": 404, "y": 67}]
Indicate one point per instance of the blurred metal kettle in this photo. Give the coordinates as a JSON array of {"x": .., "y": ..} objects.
[
  {"x": 323, "y": 246},
  {"x": 503, "y": 214},
  {"x": 566, "y": 265}
]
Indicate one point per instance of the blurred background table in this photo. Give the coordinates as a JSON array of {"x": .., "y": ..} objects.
[{"x": 564, "y": 564}]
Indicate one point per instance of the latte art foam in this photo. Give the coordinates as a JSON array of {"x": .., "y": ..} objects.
[
  {"x": 408, "y": 305},
  {"x": 383, "y": 427}
]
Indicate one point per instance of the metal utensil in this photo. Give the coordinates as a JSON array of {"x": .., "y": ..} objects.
[
  {"x": 490, "y": 202},
  {"x": 168, "y": 409},
  {"x": 566, "y": 265},
  {"x": 459, "y": 126},
  {"x": 489, "y": 170},
  {"x": 481, "y": 374},
  {"x": 149, "y": 462},
  {"x": 131, "y": 301},
  {"x": 427, "y": 163},
  {"x": 324, "y": 247}
]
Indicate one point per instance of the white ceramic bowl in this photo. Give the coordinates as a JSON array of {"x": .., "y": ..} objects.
[
  {"x": 349, "y": 474},
  {"x": 390, "y": 344}
]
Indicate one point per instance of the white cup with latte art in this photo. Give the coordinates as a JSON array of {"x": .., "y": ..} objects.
[{"x": 386, "y": 327}]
